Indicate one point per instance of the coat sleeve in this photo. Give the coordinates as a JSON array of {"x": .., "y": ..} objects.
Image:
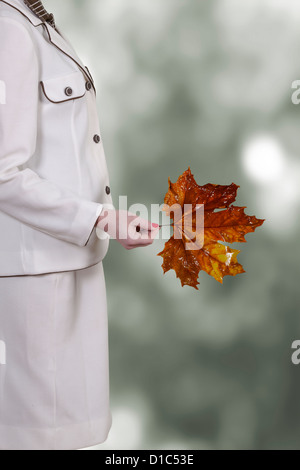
[{"x": 24, "y": 195}]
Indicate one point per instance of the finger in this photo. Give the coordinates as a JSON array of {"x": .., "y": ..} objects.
[
  {"x": 145, "y": 225},
  {"x": 142, "y": 245},
  {"x": 136, "y": 231},
  {"x": 149, "y": 234},
  {"x": 143, "y": 241},
  {"x": 133, "y": 233}
]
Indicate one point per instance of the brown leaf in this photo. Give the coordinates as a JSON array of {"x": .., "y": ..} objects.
[{"x": 229, "y": 225}]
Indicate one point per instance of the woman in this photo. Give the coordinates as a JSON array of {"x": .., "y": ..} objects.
[{"x": 54, "y": 193}]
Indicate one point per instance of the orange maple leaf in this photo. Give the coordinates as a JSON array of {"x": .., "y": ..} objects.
[{"x": 228, "y": 225}]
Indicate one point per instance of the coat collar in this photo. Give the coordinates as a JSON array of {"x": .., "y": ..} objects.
[
  {"x": 24, "y": 10},
  {"x": 61, "y": 43},
  {"x": 57, "y": 39}
]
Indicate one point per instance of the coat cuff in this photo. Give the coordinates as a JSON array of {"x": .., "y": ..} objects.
[{"x": 84, "y": 222}]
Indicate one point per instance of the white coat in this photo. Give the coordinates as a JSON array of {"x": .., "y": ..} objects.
[
  {"x": 54, "y": 378},
  {"x": 53, "y": 174}
]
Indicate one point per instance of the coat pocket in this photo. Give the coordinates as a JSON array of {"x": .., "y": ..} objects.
[{"x": 64, "y": 88}]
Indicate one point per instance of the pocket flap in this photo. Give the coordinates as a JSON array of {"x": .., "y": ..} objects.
[{"x": 64, "y": 88}]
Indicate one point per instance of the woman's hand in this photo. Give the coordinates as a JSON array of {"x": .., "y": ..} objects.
[{"x": 130, "y": 230}]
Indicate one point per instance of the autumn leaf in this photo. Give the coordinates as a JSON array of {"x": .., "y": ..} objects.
[{"x": 228, "y": 225}]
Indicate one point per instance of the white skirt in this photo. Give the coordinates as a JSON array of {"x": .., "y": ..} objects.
[{"x": 54, "y": 363}]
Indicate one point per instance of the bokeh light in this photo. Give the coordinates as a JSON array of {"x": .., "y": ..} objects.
[{"x": 264, "y": 159}]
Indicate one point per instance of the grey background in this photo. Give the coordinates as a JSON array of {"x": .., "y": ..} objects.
[{"x": 195, "y": 83}]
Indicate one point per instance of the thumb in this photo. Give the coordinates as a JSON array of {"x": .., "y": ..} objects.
[{"x": 145, "y": 224}]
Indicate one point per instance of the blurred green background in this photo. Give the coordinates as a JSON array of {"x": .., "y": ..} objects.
[{"x": 205, "y": 84}]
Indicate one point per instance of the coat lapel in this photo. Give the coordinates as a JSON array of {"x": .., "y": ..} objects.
[
  {"x": 61, "y": 43},
  {"x": 57, "y": 39},
  {"x": 21, "y": 7}
]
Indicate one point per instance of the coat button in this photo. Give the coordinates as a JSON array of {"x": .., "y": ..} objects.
[
  {"x": 88, "y": 86},
  {"x": 97, "y": 138},
  {"x": 68, "y": 91},
  {"x": 107, "y": 190}
]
